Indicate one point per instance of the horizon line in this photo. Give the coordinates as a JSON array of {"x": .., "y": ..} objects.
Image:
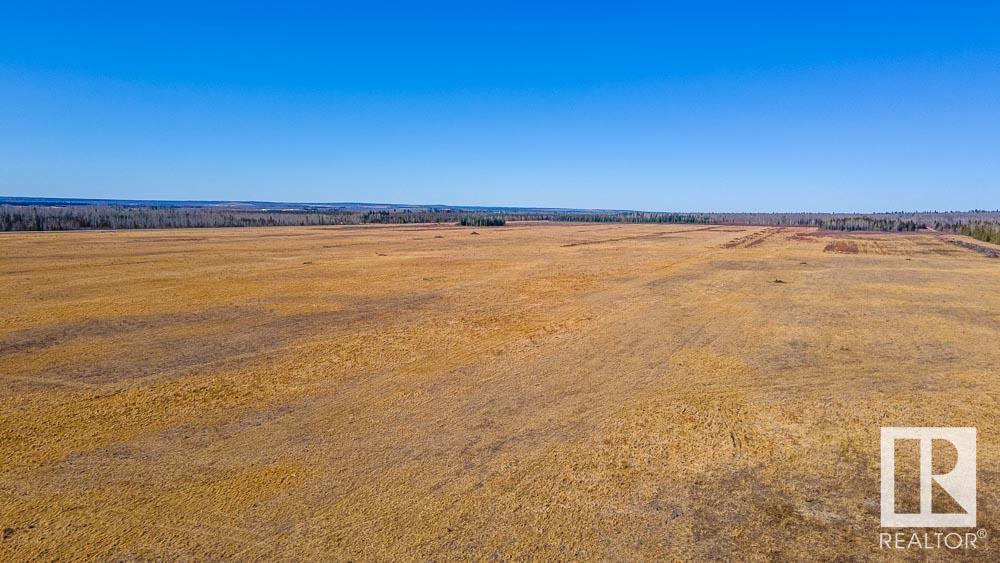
[{"x": 33, "y": 200}]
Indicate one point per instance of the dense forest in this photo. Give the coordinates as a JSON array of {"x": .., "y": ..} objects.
[
  {"x": 989, "y": 232},
  {"x": 482, "y": 220},
  {"x": 630, "y": 217},
  {"x": 982, "y": 225},
  {"x": 47, "y": 218}
]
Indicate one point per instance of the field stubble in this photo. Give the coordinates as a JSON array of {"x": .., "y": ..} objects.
[{"x": 414, "y": 392}]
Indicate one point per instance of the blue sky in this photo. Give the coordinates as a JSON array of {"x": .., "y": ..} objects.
[{"x": 686, "y": 107}]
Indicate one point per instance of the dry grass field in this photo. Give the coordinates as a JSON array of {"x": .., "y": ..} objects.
[{"x": 434, "y": 392}]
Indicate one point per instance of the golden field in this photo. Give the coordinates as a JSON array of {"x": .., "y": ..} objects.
[{"x": 543, "y": 391}]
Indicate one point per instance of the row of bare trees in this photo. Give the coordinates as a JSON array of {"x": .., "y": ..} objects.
[
  {"x": 78, "y": 217},
  {"x": 983, "y": 225}
]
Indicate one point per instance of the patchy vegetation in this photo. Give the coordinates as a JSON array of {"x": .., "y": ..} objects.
[
  {"x": 842, "y": 246},
  {"x": 987, "y": 251}
]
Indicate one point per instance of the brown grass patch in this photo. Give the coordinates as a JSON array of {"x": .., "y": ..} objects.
[
  {"x": 753, "y": 239},
  {"x": 842, "y": 247}
]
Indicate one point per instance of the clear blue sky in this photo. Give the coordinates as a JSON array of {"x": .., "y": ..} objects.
[{"x": 693, "y": 106}]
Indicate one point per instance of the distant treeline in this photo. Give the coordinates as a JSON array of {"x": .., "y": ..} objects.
[
  {"x": 989, "y": 232},
  {"x": 631, "y": 217},
  {"x": 33, "y": 218},
  {"x": 983, "y": 225},
  {"x": 77, "y": 217},
  {"x": 482, "y": 221}
]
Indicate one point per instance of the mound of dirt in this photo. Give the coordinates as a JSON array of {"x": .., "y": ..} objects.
[{"x": 842, "y": 246}]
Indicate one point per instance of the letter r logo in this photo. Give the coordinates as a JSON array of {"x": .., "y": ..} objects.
[{"x": 959, "y": 482}]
